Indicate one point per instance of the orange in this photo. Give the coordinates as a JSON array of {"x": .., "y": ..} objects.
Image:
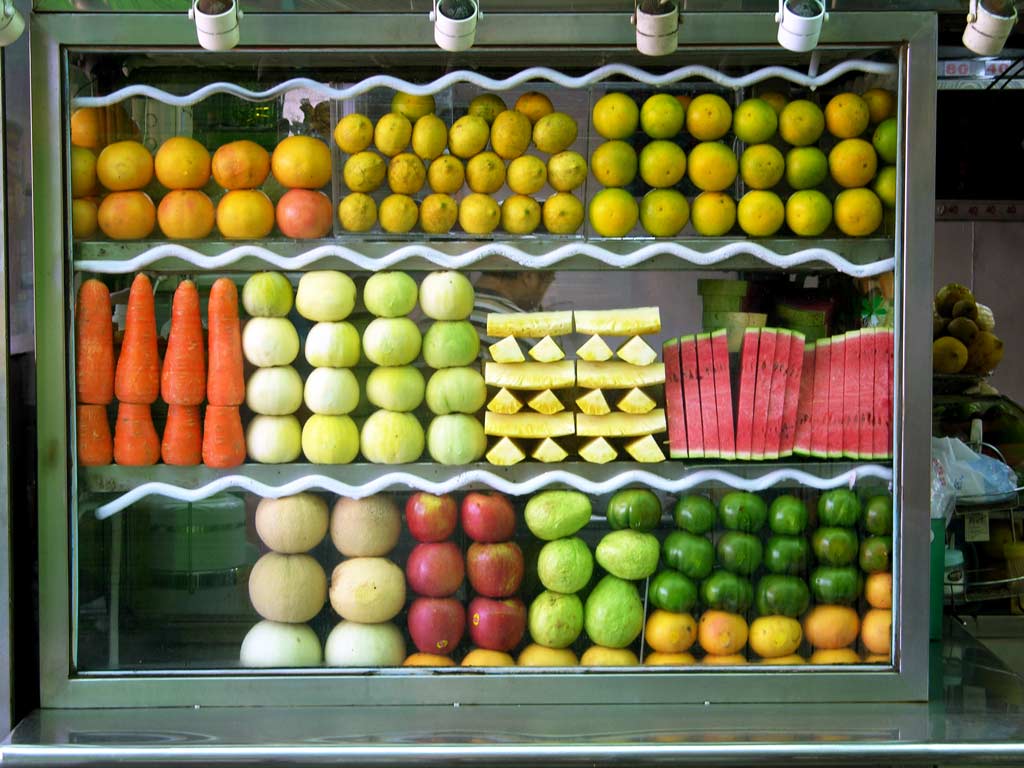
[
  {"x": 535, "y": 655},
  {"x": 670, "y": 632},
  {"x": 614, "y": 163},
  {"x": 724, "y": 659},
  {"x": 685, "y": 99},
  {"x": 881, "y": 104},
  {"x": 127, "y": 215},
  {"x": 831, "y": 626},
  {"x": 124, "y": 165},
  {"x": 83, "y": 172},
  {"x": 481, "y": 657},
  {"x": 427, "y": 660},
  {"x": 713, "y": 214},
  {"x": 790, "y": 660},
  {"x": 301, "y": 162},
  {"x": 876, "y": 631},
  {"x": 877, "y": 658},
  {"x": 708, "y": 117},
  {"x": 182, "y": 163},
  {"x": 185, "y": 214},
  {"x": 762, "y": 166},
  {"x": 755, "y": 121},
  {"x": 304, "y": 214},
  {"x": 534, "y": 105},
  {"x": 721, "y": 633},
  {"x": 857, "y": 212},
  {"x": 835, "y": 656},
  {"x": 801, "y": 123},
  {"x": 712, "y": 166},
  {"x": 662, "y": 163},
  {"x": 599, "y": 656},
  {"x": 615, "y": 116},
  {"x": 613, "y": 212},
  {"x": 240, "y": 164},
  {"x": 774, "y": 637},
  {"x": 776, "y": 99},
  {"x": 878, "y": 590},
  {"x": 83, "y": 218},
  {"x": 657, "y": 659},
  {"x": 846, "y": 116},
  {"x": 245, "y": 214},
  {"x": 760, "y": 213},
  {"x": 852, "y": 163},
  {"x": 808, "y": 213},
  {"x": 89, "y": 128}
]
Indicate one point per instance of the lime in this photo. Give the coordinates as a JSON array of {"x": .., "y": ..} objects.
[
  {"x": 875, "y": 554},
  {"x": 725, "y": 591},
  {"x": 695, "y": 514},
  {"x": 886, "y": 140},
  {"x": 636, "y": 508},
  {"x": 835, "y": 546},
  {"x": 839, "y": 507},
  {"x": 806, "y": 167},
  {"x": 739, "y": 552},
  {"x": 670, "y": 590},
  {"x": 786, "y": 555},
  {"x": 664, "y": 212},
  {"x": 787, "y": 515},
  {"x": 755, "y": 121},
  {"x": 781, "y": 596},
  {"x": 878, "y": 515},
  {"x": 836, "y": 585},
  {"x": 661, "y": 116},
  {"x": 691, "y": 555}
]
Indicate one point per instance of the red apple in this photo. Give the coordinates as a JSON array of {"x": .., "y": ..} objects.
[
  {"x": 430, "y": 517},
  {"x": 497, "y": 625},
  {"x": 436, "y": 624},
  {"x": 435, "y": 569},
  {"x": 495, "y": 570},
  {"x": 488, "y": 517}
]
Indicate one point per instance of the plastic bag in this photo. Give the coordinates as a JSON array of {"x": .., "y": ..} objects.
[{"x": 971, "y": 474}]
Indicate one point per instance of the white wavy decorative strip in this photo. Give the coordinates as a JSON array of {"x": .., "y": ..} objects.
[
  {"x": 473, "y": 476},
  {"x": 463, "y": 261},
  {"x": 490, "y": 84}
]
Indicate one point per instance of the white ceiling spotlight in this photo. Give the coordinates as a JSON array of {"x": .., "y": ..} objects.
[
  {"x": 800, "y": 23},
  {"x": 657, "y": 26},
  {"x": 216, "y": 23},
  {"x": 989, "y": 23},
  {"x": 455, "y": 23},
  {"x": 12, "y": 24}
]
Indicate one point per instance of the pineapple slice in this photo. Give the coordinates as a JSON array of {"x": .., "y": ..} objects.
[
  {"x": 546, "y": 351},
  {"x": 533, "y": 425},
  {"x": 593, "y": 403},
  {"x": 618, "y": 322},
  {"x": 594, "y": 350},
  {"x": 620, "y": 424},
  {"x": 529, "y": 325},
  {"x": 645, "y": 450},
  {"x": 636, "y": 351},
  {"x": 505, "y": 402},
  {"x": 636, "y": 401},
  {"x": 616, "y": 375},
  {"x": 546, "y": 402},
  {"x": 598, "y": 451},
  {"x": 506, "y": 351},
  {"x": 535, "y": 376},
  {"x": 505, "y": 453},
  {"x": 549, "y": 451}
]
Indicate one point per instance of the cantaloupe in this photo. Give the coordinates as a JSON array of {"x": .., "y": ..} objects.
[
  {"x": 367, "y": 590},
  {"x": 292, "y": 524},
  {"x": 367, "y": 527},
  {"x": 287, "y": 588}
]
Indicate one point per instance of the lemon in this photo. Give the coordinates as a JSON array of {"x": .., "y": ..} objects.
[
  {"x": 801, "y": 123},
  {"x": 392, "y": 134},
  {"x": 712, "y": 166},
  {"x": 761, "y": 166},
  {"x": 468, "y": 136},
  {"x": 479, "y": 214},
  {"x": 949, "y": 355},
  {"x": 562, "y": 213},
  {"x": 357, "y": 212},
  {"x": 614, "y": 163},
  {"x": 398, "y": 213},
  {"x": 485, "y": 173},
  {"x": 566, "y": 171},
  {"x": 760, "y": 213},
  {"x": 406, "y": 174},
  {"x": 806, "y": 167},
  {"x": 808, "y": 213},
  {"x": 662, "y": 116},
  {"x": 664, "y": 212},
  {"x": 885, "y": 186},
  {"x": 412, "y": 108},
  {"x": 438, "y": 213},
  {"x": 526, "y": 175},
  {"x": 713, "y": 214},
  {"x": 613, "y": 213},
  {"x": 662, "y": 164},
  {"x": 534, "y": 105},
  {"x": 846, "y": 115},
  {"x": 487, "y": 105},
  {"x": 353, "y": 133},
  {"x": 852, "y": 163},
  {"x": 520, "y": 215},
  {"x": 510, "y": 134},
  {"x": 775, "y": 99},
  {"x": 881, "y": 104},
  {"x": 446, "y": 174},
  {"x": 615, "y": 116},
  {"x": 364, "y": 171},
  {"x": 708, "y": 117},
  {"x": 755, "y": 121},
  {"x": 429, "y": 137},
  {"x": 886, "y": 139},
  {"x": 857, "y": 212},
  {"x": 554, "y": 133}
]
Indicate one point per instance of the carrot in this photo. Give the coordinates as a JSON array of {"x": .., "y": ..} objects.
[
  {"x": 94, "y": 344},
  {"x": 223, "y": 441},
  {"x": 182, "y": 443},
  {"x": 183, "y": 380},
  {"x": 135, "y": 440},
  {"x": 225, "y": 384},
  {"x": 138, "y": 367},
  {"x": 95, "y": 448}
]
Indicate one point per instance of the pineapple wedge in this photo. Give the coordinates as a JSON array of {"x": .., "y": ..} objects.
[
  {"x": 598, "y": 451},
  {"x": 593, "y": 403},
  {"x": 546, "y": 402},
  {"x": 532, "y": 425},
  {"x": 620, "y": 424},
  {"x": 529, "y": 325},
  {"x": 616, "y": 375},
  {"x": 506, "y": 351},
  {"x": 549, "y": 451},
  {"x": 505, "y": 402},
  {"x": 636, "y": 401},
  {"x": 645, "y": 450},
  {"x": 594, "y": 350},
  {"x": 505, "y": 453},
  {"x": 535, "y": 376},
  {"x": 547, "y": 351},
  {"x": 636, "y": 351},
  {"x": 617, "y": 322}
]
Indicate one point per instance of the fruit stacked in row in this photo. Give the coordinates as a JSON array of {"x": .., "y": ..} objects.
[
  {"x": 302, "y": 164},
  {"x": 964, "y": 331},
  {"x": 92, "y": 130},
  {"x": 875, "y": 560}
]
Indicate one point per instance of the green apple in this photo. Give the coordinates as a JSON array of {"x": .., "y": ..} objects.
[
  {"x": 325, "y": 296},
  {"x": 267, "y": 294},
  {"x": 456, "y": 390},
  {"x": 330, "y": 439},
  {"x": 273, "y": 439},
  {"x": 270, "y": 341},
  {"x": 391, "y": 341},
  {"x": 456, "y": 439},
  {"x": 390, "y": 294},
  {"x": 331, "y": 391},
  {"x": 451, "y": 343},
  {"x": 395, "y": 389},
  {"x": 446, "y": 296},
  {"x": 274, "y": 391},
  {"x": 391, "y": 438},
  {"x": 332, "y": 345}
]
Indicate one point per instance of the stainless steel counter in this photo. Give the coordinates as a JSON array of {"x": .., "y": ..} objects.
[{"x": 976, "y": 716}]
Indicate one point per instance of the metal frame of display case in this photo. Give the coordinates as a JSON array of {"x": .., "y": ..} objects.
[{"x": 598, "y": 35}]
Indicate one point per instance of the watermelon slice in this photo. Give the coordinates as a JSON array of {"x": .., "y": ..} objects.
[
  {"x": 836, "y": 393},
  {"x": 762, "y": 391},
  {"x": 723, "y": 395},
  {"x": 793, "y": 372},
  {"x": 882, "y": 440},
  {"x": 851, "y": 394},
  {"x": 819, "y": 398},
  {"x": 777, "y": 394},
  {"x": 865, "y": 395},
  {"x": 674, "y": 400},
  {"x": 745, "y": 406},
  {"x": 691, "y": 396},
  {"x": 802, "y": 438},
  {"x": 708, "y": 403}
]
